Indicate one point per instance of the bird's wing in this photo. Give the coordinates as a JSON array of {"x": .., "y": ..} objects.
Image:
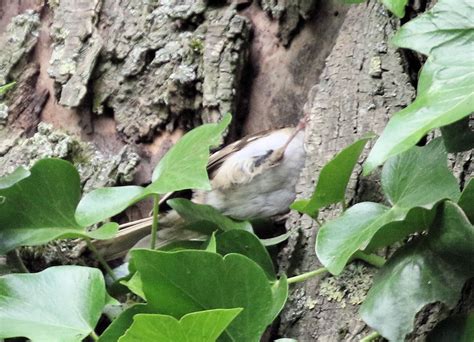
[{"x": 217, "y": 158}]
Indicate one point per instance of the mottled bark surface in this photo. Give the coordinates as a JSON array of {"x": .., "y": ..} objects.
[{"x": 362, "y": 84}]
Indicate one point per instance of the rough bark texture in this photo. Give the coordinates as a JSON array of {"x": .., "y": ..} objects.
[{"x": 362, "y": 84}]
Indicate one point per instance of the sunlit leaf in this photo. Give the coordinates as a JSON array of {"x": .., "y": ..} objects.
[
  {"x": 62, "y": 303},
  {"x": 103, "y": 203},
  {"x": 201, "y": 326},
  {"x": 405, "y": 180},
  {"x": 182, "y": 282},
  {"x": 333, "y": 179},
  {"x": 185, "y": 165},
  {"x": 40, "y": 207},
  {"x": 446, "y": 83}
]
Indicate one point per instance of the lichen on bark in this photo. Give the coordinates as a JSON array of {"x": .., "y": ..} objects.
[
  {"x": 162, "y": 62},
  {"x": 95, "y": 168},
  {"x": 19, "y": 39},
  {"x": 76, "y": 47}
]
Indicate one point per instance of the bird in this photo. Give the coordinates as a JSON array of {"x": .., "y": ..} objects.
[{"x": 252, "y": 178}]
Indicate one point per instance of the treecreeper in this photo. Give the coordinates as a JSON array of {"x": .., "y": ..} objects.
[{"x": 252, "y": 178}]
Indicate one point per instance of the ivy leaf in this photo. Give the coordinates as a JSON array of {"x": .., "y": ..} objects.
[
  {"x": 185, "y": 165},
  {"x": 135, "y": 285},
  {"x": 103, "y": 203},
  {"x": 457, "y": 328},
  {"x": 466, "y": 201},
  {"x": 246, "y": 243},
  {"x": 179, "y": 283},
  {"x": 333, "y": 179},
  {"x": 62, "y": 303},
  {"x": 40, "y": 207},
  {"x": 119, "y": 326},
  {"x": 432, "y": 269},
  {"x": 203, "y": 326},
  {"x": 446, "y": 84},
  {"x": 458, "y": 137},
  {"x": 207, "y": 215},
  {"x": 405, "y": 180},
  {"x": 14, "y": 177},
  {"x": 211, "y": 244},
  {"x": 397, "y": 7}
]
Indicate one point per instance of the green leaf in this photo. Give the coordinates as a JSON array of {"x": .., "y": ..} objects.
[
  {"x": 103, "y": 203},
  {"x": 202, "y": 326},
  {"x": 245, "y": 243},
  {"x": 458, "y": 137},
  {"x": 213, "y": 219},
  {"x": 119, "y": 326},
  {"x": 406, "y": 180},
  {"x": 397, "y": 7},
  {"x": 212, "y": 244},
  {"x": 419, "y": 177},
  {"x": 6, "y": 87},
  {"x": 466, "y": 201},
  {"x": 61, "y": 303},
  {"x": 446, "y": 84},
  {"x": 135, "y": 285},
  {"x": 333, "y": 179},
  {"x": 14, "y": 177},
  {"x": 280, "y": 295},
  {"x": 338, "y": 239},
  {"x": 182, "y": 282},
  {"x": 432, "y": 269},
  {"x": 457, "y": 328},
  {"x": 416, "y": 220},
  {"x": 185, "y": 165},
  {"x": 40, "y": 207}
]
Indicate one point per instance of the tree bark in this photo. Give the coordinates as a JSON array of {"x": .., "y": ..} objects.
[{"x": 362, "y": 84}]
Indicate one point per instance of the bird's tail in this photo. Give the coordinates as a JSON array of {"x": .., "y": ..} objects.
[{"x": 137, "y": 235}]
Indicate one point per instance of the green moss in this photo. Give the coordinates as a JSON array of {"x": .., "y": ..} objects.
[{"x": 197, "y": 45}]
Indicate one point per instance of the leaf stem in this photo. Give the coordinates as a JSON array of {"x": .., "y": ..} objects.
[
  {"x": 370, "y": 337},
  {"x": 15, "y": 258},
  {"x": 154, "y": 226},
  {"x": 371, "y": 259},
  {"x": 94, "y": 336},
  {"x": 307, "y": 275},
  {"x": 101, "y": 259}
]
